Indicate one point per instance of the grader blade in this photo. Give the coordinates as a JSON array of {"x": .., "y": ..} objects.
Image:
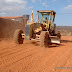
[{"x": 55, "y": 39}]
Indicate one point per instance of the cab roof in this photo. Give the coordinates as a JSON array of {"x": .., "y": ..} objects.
[{"x": 42, "y": 11}]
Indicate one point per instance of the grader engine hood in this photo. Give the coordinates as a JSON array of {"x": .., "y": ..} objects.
[{"x": 32, "y": 28}]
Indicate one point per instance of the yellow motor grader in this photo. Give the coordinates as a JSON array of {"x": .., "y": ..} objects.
[{"x": 43, "y": 30}]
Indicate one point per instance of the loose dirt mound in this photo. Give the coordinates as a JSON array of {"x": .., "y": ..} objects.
[{"x": 7, "y": 27}]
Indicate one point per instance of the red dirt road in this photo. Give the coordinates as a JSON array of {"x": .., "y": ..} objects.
[{"x": 30, "y": 57}]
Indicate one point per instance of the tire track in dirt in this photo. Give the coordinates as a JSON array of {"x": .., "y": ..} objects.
[
  {"x": 47, "y": 60},
  {"x": 18, "y": 59},
  {"x": 14, "y": 56},
  {"x": 38, "y": 59},
  {"x": 13, "y": 49},
  {"x": 36, "y": 48},
  {"x": 68, "y": 63}
]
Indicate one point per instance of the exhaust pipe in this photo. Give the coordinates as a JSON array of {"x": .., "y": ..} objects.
[{"x": 32, "y": 15}]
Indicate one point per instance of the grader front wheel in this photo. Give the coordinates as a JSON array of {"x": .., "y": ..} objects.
[
  {"x": 44, "y": 39},
  {"x": 18, "y": 37}
]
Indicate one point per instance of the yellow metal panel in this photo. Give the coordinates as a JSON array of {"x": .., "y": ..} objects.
[
  {"x": 51, "y": 19},
  {"x": 33, "y": 27},
  {"x": 46, "y": 11}
]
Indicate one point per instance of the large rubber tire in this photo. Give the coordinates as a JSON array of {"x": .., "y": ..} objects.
[
  {"x": 59, "y": 34},
  {"x": 44, "y": 39},
  {"x": 18, "y": 37}
]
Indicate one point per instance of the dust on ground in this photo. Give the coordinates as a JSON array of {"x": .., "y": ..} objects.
[{"x": 30, "y": 57}]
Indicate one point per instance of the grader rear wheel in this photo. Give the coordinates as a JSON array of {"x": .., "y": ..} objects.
[
  {"x": 18, "y": 37},
  {"x": 44, "y": 39},
  {"x": 59, "y": 34}
]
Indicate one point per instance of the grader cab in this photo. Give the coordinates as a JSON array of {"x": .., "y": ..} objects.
[
  {"x": 46, "y": 18},
  {"x": 43, "y": 30}
]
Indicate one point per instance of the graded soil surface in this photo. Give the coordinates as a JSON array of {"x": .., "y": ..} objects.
[{"x": 30, "y": 57}]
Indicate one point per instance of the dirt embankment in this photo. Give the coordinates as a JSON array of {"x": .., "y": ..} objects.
[
  {"x": 65, "y": 30},
  {"x": 8, "y": 27}
]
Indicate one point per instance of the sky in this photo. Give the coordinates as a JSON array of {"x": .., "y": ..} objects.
[{"x": 63, "y": 9}]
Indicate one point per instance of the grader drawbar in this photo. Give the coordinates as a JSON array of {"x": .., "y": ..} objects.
[{"x": 44, "y": 30}]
